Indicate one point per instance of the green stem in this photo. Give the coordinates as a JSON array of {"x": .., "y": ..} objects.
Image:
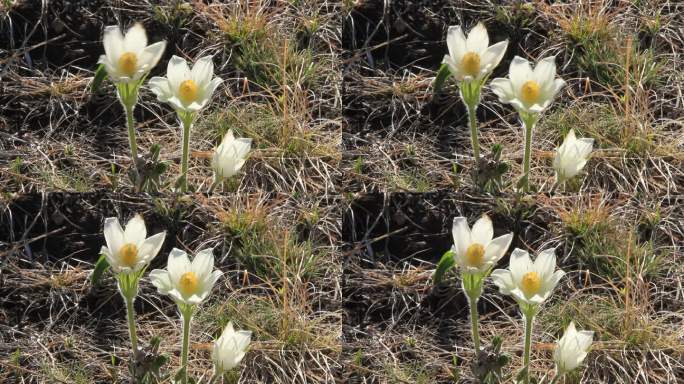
[
  {"x": 529, "y": 318},
  {"x": 186, "y": 315},
  {"x": 130, "y": 312},
  {"x": 131, "y": 133},
  {"x": 472, "y": 119},
  {"x": 187, "y": 123},
  {"x": 528, "y": 151},
  {"x": 474, "y": 320}
]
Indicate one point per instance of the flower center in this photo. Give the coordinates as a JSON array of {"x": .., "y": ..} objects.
[
  {"x": 128, "y": 254},
  {"x": 471, "y": 64},
  {"x": 531, "y": 283},
  {"x": 188, "y": 283},
  {"x": 128, "y": 63},
  {"x": 188, "y": 91},
  {"x": 475, "y": 255},
  {"x": 530, "y": 92}
]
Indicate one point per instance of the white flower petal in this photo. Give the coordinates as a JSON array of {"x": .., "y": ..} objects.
[
  {"x": 135, "y": 231},
  {"x": 177, "y": 71},
  {"x": 545, "y": 263},
  {"x": 203, "y": 263},
  {"x": 113, "y": 43},
  {"x": 497, "y": 248},
  {"x": 161, "y": 280},
  {"x": 461, "y": 234},
  {"x": 208, "y": 91},
  {"x": 482, "y": 231},
  {"x": 135, "y": 39},
  {"x": 456, "y": 42},
  {"x": 160, "y": 87},
  {"x": 493, "y": 55},
  {"x": 203, "y": 71},
  {"x": 114, "y": 235},
  {"x": 520, "y": 263},
  {"x": 504, "y": 89},
  {"x": 478, "y": 39},
  {"x": 151, "y": 54},
  {"x": 177, "y": 264},
  {"x": 503, "y": 279},
  {"x": 151, "y": 246},
  {"x": 545, "y": 71},
  {"x": 519, "y": 72}
]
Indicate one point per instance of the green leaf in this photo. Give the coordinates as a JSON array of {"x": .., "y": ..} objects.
[
  {"x": 440, "y": 79},
  {"x": 444, "y": 265},
  {"x": 100, "y": 267},
  {"x": 100, "y": 75}
]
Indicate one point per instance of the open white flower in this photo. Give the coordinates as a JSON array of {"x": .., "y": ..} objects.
[
  {"x": 187, "y": 90},
  {"x": 230, "y": 155},
  {"x": 529, "y": 91},
  {"x": 472, "y": 58},
  {"x": 571, "y": 156},
  {"x": 476, "y": 250},
  {"x": 529, "y": 282},
  {"x": 571, "y": 349},
  {"x": 128, "y": 57},
  {"x": 230, "y": 348},
  {"x": 128, "y": 250},
  {"x": 187, "y": 282}
]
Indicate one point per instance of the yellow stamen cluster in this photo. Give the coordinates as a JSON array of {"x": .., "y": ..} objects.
[
  {"x": 128, "y": 63},
  {"x": 529, "y": 92},
  {"x": 531, "y": 283},
  {"x": 475, "y": 255},
  {"x": 188, "y": 91},
  {"x": 129, "y": 254},
  {"x": 471, "y": 64},
  {"x": 188, "y": 283}
]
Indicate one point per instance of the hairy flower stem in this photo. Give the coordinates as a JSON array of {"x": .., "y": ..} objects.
[
  {"x": 470, "y": 94},
  {"x": 131, "y": 133},
  {"x": 529, "y": 319},
  {"x": 186, "y": 122},
  {"x": 474, "y": 320},
  {"x": 529, "y": 121},
  {"x": 472, "y": 119},
  {"x": 186, "y": 315},
  {"x": 130, "y": 313}
]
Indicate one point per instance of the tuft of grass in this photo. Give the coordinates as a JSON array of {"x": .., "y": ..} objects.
[
  {"x": 177, "y": 14},
  {"x": 602, "y": 49},
  {"x": 282, "y": 322},
  {"x": 265, "y": 55},
  {"x": 266, "y": 248},
  {"x": 608, "y": 246},
  {"x": 274, "y": 129},
  {"x": 412, "y": 372},
  {"x": 73, "y": 372}
]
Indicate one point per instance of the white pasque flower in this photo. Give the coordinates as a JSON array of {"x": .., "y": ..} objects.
[
  {"x": 187, "y": 90},
  {"x": 472, "y": 58},
  {"x": 230, "y": 155},
  {"x": 571, "y": 156},
  {"x": 572, "y": 348},
  {"x": 529, "y": 282},
  {"x": 476, "y": 250},
  {"x": 230, "y": 348},
  {"x": 529, "y": 91},
  {"x": 128, "y": 57},
  {"x": 186, "y": 282},
  {"x": 128, "y": 250}
]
